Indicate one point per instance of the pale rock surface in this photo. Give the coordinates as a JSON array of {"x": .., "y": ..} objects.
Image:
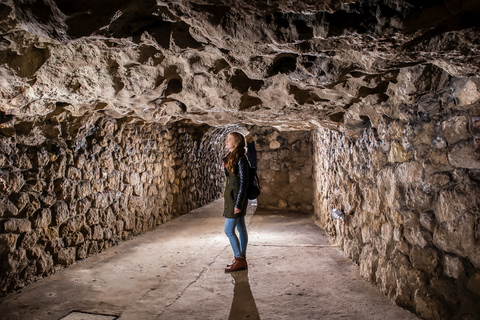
[{"x": 387, "y": 92}]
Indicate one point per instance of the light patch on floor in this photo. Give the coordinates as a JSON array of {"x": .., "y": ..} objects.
[{"x": 87, "y": 316}]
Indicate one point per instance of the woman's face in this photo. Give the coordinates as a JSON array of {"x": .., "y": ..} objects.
[{"x": 230, "y": 143}]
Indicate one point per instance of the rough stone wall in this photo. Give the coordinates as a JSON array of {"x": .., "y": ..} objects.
[
  {"x": 285, "y": 161},
  {"x": 408, "y": 188},
  {"x": 70, "y": 187}
]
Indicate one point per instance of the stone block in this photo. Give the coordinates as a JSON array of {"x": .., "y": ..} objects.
[
  {"x": 419, "y": 198},
  {"x": 4, "y": 161},
  {"x": 138, "y": 190},
  {"x": 107, "y": 218},
  {"x": 56, "y": 168},
  {"x": 42, "y": 158},
  {"x": 48, "y": 199},
  {"x": 113, "y": 181},
  {"x": 42, "y": 218},
  {"x": 387, "y": 232},
  {"x": 48, "y": 234},
  {"x": 65, "y": 189},
  {"x": 463, "y": 155},
  {"x": 8, "y": 242},
  {"x": 83, "y": 205},
  {"x": 45, "y": 263},
  {"x": 93, "y": 248},
  {"x": 389, "y": 191},
  {"x": 458, "y": 237},
  {"x": 119, "y": 225},
  {"x": 425, "y": 259},
  {"x": 139, "y": 166},
  {"x": 92, "y": 217},
  {"x": 368, "y": 262},
  {"x": 55, "y": 245},
  {"x": 100, "y": 201},
  {"x": 74, "y": 239},
  {"x": 106, "y": 159},
  {"x": 107, "y": 234},
  {"x": 35, "y": 185},
  {"x": 170, "y": 175},
  {"x": 152, "y": 190},
  {"x": 22, "y": 162},
  {"x": 83, "y": 189},
  {"x": 20, "y": 200},
  {"x": 97, "y": 186},
  {"x": 409, "y": 172},
  {"x": 366, "y": 234},
  {"x": 28, "y": 240},
  {"x": 73, "y": 173},
  {"x": 418, "y": 236},
  {"x": 97, "y": 232},
  {"x": 81, "y": 251},
  {"x": 439, "y": 180},
  {"x": 17, "y": 225},
  {"x": 87, "y": 232},
  {"x": 403, "y": 247},
  {"x": 453, "y": 266},
  {"x": 7, "y": 208},
  {"x": 455, "y": 129},
  {"x": 398, "y": 153},
  {"x": 11, "y": 181},
  {"x": 88, "y": 172},
  {"x": 72, "y": 225},
  {"x": 66, "y": 256},
  {"x": 60, "y": 212},
  {"x": 16, "y": 260},
  {"x": 452, "y": 203},
  {"x": 398, "y": 233},
  {"x": 428, "y": 220},
  {"x": 467, "y": 94},
  {"x": 429, "y": 306},
  {"x": 35, "y": 252},
  {"x": 405, "y": 218}
]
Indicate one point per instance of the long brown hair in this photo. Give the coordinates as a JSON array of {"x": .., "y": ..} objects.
[{"x": 231, "y": 159}]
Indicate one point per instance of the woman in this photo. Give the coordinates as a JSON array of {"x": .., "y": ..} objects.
[{"x": 235, "y": 196}]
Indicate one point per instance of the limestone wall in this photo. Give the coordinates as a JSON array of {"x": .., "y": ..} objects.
[
  {"x": 409, "y": 188},
  {"x": 72, "y": 187},
  {"x": 285, "y": 162}
]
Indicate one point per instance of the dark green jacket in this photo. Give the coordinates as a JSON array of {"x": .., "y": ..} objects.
[{"x": 235, "y": 194}]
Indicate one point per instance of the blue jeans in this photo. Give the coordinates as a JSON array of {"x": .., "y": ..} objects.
[{"x": 239, "y": 246}]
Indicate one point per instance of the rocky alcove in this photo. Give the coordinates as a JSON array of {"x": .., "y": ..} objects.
[{"x": 113, "y": 114}]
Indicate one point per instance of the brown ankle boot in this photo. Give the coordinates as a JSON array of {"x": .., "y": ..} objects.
[
  {"x": 238, "y": 264},
  {"x": 231, "y": 264}
]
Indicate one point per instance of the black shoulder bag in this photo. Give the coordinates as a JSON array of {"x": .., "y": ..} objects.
[{"x": 253, "y": 190}]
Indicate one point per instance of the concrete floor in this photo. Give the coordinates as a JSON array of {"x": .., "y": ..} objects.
[{"x": 177, "y": 272}]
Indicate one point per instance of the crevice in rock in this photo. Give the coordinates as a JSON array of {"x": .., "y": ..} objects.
[
  {"x": 248, "y": 101},
  {"x": 283, "y": 63},
  {"x": 242, "y": 83},
  {"x": 305, "y": 96}
]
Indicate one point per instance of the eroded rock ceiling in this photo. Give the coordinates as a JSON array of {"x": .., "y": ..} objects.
[{"x": 291, "y": 64}]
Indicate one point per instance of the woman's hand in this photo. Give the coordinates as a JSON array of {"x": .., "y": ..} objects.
[{"x": 236, "y": 210}]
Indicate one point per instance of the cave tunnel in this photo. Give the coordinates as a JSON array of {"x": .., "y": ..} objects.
[{"x": 366, "y": 122}]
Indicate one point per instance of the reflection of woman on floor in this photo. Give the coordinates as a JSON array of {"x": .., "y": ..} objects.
[
  {"x": 235, "y": 198},
  {"x": 243, "y": 304}
]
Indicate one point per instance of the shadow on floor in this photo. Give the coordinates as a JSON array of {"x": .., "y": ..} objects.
[{"x": 243, "y": 304}]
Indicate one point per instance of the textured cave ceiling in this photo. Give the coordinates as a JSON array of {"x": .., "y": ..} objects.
[{"x": 291, "y": 64}]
